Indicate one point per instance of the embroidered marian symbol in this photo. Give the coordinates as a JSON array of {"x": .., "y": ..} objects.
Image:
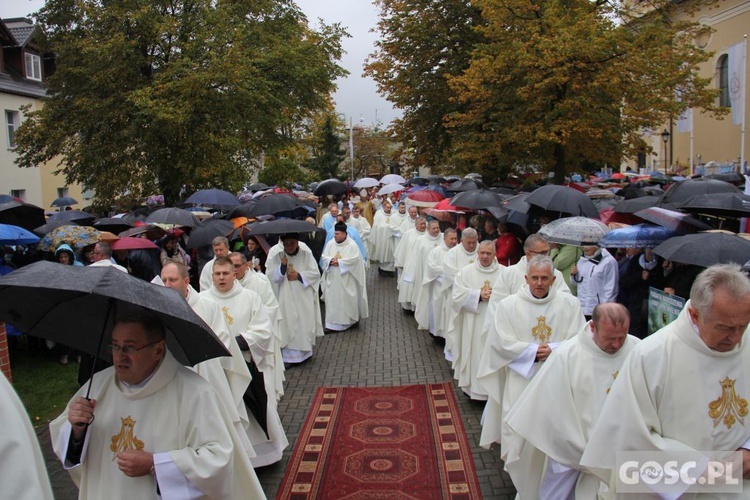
[
  {"x": 125, "y": 440},
  {"x": 229, "y": 319},
  {"x": 729, "y": 407},
  {"x": 614, "y": 376},
  {"x": 541, "y": 332}
]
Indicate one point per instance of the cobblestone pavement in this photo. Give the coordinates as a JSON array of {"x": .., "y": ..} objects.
[{"x": 386, "y": 350}]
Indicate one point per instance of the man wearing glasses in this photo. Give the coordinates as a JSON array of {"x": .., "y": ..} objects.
[{"x": 152, "y": 426}]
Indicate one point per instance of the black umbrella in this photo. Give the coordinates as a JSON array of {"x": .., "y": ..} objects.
[
  {"x": 151, "y": 232},
  {"x": 78, "y": 216},
  {"x": 633, "y": 205},
  {"x": 563, "y": 199},
  {"x": 676, "y": 221},
  {"x": 49, "y": 227},
  {"x": 64, "y": 201},
  {"x": 465, "y": 185},
  {"x": 281, "y": 226},
  {"x": 242, "y": 210},
  {"x": 518, "y": 203},
  {"x": 682, "y": 191},
  {"x": 730, "y": 177},
  {"x": 22, "y": 214},
  {"x": 330, "y": 187},
  {"x": 276, "y": 204},
  {"x": 172, "y": 215},
  {"x": 76, "y": 306},
  {"x": 719, "y": 204},
  {"x": 215, "y": 198},
  {"x": 112, "y": 224},
  {"x": 705, "y": 249},
  {"x": 258, "y": 186},
  {"x": 478, "y": 199},
  {"x": 204, "y": 233}
]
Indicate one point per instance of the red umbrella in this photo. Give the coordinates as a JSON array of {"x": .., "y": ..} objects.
[
  {"x": 445, "y": 206},
  {"x": 130, "y": 243},
  {"x": 424, "y": 198},
  {"x": 608, "y": 216},
  {"x": 618, "y": 175}
]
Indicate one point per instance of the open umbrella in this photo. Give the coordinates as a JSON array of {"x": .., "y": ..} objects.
[
  {"x": 281, "y": 226},
  {"x": 77, "y": 216},
  {"x": 518, "y": 203},
  {"x": 465, "y": 185},
  {"x": 276, "y": 204},
  {"x": 112, "y": 224},
  {"x": 680, "y": 192},
  {"x": 215, "y": 198},
  {"x": 366, "y": 182},
  {"x": 562, "y": 199},
  {"x": 705, "y": 249},
  {"x": 676, "y": 221},
  {"x": 258, "y": 186},
  {"x": 64, "y": 201},
  {"x": 424, "y": 198},
  {"x": 16, "y": 235},
  {"x": 76, "y": 306},
  {"x": 719, "y": 204},
  {"x": 478, "y": 199},
  {"x": 632, "y": 205},
  {"x": 22, "y": 214},
  {"x": 330, "y": 187},
  {"x": 390, "y": 188},
  {"x": 131, "y": 243},
  {"x": 50, "y": 226},
  {"x": 392, "y": 179},
  {"x": 73, "y": 235},
  {"x": 151, "y": 231},
  {"x": 637, "y": 236},
  {"x": 204, "y": 233},
  {"x": 172, "y": 215},
  {"x": 576, "y": 231}
]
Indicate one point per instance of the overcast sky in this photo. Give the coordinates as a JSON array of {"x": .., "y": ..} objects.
[{"x": 357, "y": 96}]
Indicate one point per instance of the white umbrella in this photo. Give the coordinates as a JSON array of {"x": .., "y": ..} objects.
[
  {"x": 391, "y": 188},
  {"x": 392, "y": 179},
  {"x": 576, "y": 231},
  {"x": 366, "y": 182}
]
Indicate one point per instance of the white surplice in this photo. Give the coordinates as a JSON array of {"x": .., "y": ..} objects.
[
  {"x": 467, "y": 334},
  {"x": 455, "y": 259},
  {"x": 556, "y": 413},
  {"x": 674, "y": 393},
  {"x": 299, "y": 304},
  {"x": 383, "y": 239},
  {"x": 245, "y": 315},
  {"x": 411, "y": 277},
  {"x": 206, "y": 279},
  {"x": 430, "y": 300},
  {"x": 176, "y": 415},
  {"x": 344, "y": 286},
  {"x": 522, "y": 323}
]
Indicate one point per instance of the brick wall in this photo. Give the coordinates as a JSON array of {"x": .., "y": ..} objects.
[{"x": 4, "y": 355}]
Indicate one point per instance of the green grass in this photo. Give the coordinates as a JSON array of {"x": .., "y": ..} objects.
[{"x": 43, "y": 384}]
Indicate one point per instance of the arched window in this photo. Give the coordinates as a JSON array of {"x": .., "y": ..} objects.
[{"x": 723, "y": 70}]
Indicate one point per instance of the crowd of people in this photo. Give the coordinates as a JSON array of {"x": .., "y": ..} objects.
[{"x": 551, "y": 337}]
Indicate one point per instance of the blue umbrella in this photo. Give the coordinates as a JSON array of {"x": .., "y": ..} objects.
[
  {"x": 14, "y": 235},
  {"x": 638, "y": 236},
  {"x": 64, "y": 201}
]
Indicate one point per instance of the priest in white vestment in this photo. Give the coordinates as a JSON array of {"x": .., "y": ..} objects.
[
  {"x": 362, "y": 225},
  {"x": 471, "y": 292},
  {"x": 417, "y": 264},
  {"x": 383, "y": 239},
  {"x": 404, "y": 260},
  {"x": 23, "y": 475},
  {"x": 456, "y": 259},
  {"x": 344, "y": 285},
  {"x": 526, "y": 328},
  {"x": 227, "y": 374},
  {"x": 152, "y": 427},
  {"x": 259, "y": 283},
  {"x": 552, "y": 420},
  {"x": 410, "y": 220},
  {"x": 295, "y": 279},
  {"x": 686, "y": 387},
  {"x": 248, "y": 322},
  {"x": 430, "y": 301},
  {"x": 329, "y": 218},
  {"x": 220, "y": 246}
]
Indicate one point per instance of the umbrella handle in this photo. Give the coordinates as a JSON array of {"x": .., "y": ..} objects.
[{"x": 93, "y": 417}]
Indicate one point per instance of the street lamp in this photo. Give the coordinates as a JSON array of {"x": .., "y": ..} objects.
[{"x": 665, "y": 137}]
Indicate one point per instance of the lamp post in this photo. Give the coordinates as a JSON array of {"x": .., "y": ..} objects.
[{"x": 665, "y": 137}]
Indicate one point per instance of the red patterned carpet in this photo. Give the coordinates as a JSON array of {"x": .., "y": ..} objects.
[{"x": 382, "y": 443}]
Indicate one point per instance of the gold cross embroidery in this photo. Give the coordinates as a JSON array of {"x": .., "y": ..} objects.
[
  {"x": 729, "y": 407},
  {"x": 125, "y": 440},
  {"x": 541, "y": 332},
  {"x": 229, "y": 319},
  {"x": 614, "y": 376}
]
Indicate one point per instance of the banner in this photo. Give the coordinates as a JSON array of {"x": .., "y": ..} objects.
[
  {"x": 737, "y": 82},
  {"x": 663, "y": 308},
  {"x": 685, "y": 121}
]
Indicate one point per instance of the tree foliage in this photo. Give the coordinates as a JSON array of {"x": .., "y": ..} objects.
[
  {"x": 172, "y": 96},
  {"x": 556, "y": 84},
  {"x": 327, "y": 152}
]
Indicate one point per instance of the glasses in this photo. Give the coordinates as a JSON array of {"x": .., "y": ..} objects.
[{"x": 128, "y": 349}]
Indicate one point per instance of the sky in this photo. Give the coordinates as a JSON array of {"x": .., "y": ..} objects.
[{"x": 357, "y": 96}]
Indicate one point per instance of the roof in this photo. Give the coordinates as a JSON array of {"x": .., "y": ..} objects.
[
  {"x": 21, "y": 29},
  {"x": 21, "y": 86}
]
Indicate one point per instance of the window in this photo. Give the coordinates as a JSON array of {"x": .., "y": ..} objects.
[
  {"x": 33, "y": 67},
  {"x": 62, "y": 192},
  {"x": 12, "y": 120},
  {"x": 723, "y": 71},
  {"x": 19, "y": 193}
]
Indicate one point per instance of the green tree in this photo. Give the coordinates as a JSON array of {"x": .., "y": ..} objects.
[
  {"x": 172, "y": 96},
  {"x": 563, "y": 83},
  {"x": 326, "y": 150},
  {"x": 422, "y": 43}
]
